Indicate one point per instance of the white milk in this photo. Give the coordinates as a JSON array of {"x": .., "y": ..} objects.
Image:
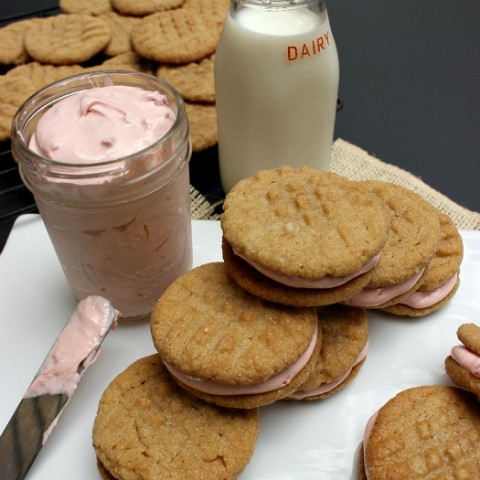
[{"x": 276, "y": 80}]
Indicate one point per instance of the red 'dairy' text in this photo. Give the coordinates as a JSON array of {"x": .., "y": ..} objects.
[{"x": 305, "y": 50}]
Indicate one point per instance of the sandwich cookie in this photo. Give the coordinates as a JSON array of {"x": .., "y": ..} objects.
[
  {"x": 344, "y": 350},
  {"x": 442, "y": 277},
  {"x": 463, "y": 364},
  {"x": 412, "y": 242},
  {"x": 424, "y": 433},
  {"x": 229, "y": 347},
  {"x": 147, "y": 427},
  {"x": 301, "y": 236}
]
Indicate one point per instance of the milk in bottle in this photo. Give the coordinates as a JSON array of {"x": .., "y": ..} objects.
[{"x": 276, "y": 81}]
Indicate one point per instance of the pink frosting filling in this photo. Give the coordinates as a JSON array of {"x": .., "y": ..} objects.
[
  {"x": 299, "y": 282},
  {"x": 366, "y": 436},
  {"x": 274, "y": 383},
  {"x": 377, "y": 296},
  {"x": 467, "y": 359},
  {"x": 427, "y": 299},
  {"x": 326, "y": 387}
]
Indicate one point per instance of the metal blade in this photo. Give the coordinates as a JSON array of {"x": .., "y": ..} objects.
[
  {"x": 36, "y": 414},
  {"x": 23, "y": 436}
]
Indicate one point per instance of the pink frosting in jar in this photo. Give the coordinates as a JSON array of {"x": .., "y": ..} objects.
[
  {"x": 102, "y": 123},
  {"x": 108, "y": 166}
]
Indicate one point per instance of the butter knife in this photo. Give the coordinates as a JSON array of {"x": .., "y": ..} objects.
[{"x": 74, "y": 350}]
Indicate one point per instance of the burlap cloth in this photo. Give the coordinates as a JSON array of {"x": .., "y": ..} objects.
[{"x": 356, "y": 164}]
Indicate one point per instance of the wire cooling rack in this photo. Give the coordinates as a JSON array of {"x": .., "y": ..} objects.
[{"x": 15, "y": 198}]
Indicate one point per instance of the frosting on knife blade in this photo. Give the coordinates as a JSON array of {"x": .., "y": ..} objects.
[{"x": 75, "y": 348}]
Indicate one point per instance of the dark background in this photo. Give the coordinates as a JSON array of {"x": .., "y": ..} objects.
[{"x": 410, "y": 89}]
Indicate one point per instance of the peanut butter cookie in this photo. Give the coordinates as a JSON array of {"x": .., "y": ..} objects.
[
  {"x": 426, "y": 433},
  {"x": 14, "y": 90},
  {"x": 300, "y": 236},
  {"x": 202, "y": 118},
  {"x": 41, "y": 74},
  {"x": 229, "y": 347},
  {"x": 147, "y": 427},
  {"x": 87, "y": 7},
  {"x": 66, "y": 39},
  {"x": 194, "y": 81},
  {"x": 412, "y": 242},
  {"x": 120, "y": 29},
  {"x": 463, "y": 364},
  {"x": 142, "y": 8},
  {"x": 344, "y": 350},
  {"x": 442, "y": 277},
  {"x": 177, "y": 36},
  {"x": 12, "y": 48}
]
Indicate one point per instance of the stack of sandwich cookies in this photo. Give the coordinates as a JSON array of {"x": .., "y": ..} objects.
[
  {"x": 427, "y": 433},
  {"x": 302, "y": 237},
  {"x": 148, "y": 427},
  {"x": 344, "y": 350},
  {"x": 412, "y": 242},
  {"x": 229, "y": 347},
  {"x": 463, "y": 364},
  {"x": 442, "y": 278}
]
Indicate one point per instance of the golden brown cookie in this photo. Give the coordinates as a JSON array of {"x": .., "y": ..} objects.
[
  {"x": 120, "y": 29},
  {"x": 142, "y": 8},
  {"x": 42, "y": 75},
  {"x": 442, "y": 277},
  {"x": 147, "y": 427},
  {"x": 13, "y": 92},
  {"x": 463, "y": 364},
  {"x": 12, "y": 49},
  {"x": 412, "y": 242},
  {"x": 214, "y": 9},
  {"x": 194, "y": 81},
  {"x": 177, "y": 36},
  {"x": 343, "y": 352},
  {"x": 427, "y": 433},
  {"x": 87, "y": 7},
  {"x": 66, "y": 39},
  {"x": 202, "y": 118},
  {"x": 301, "y": 236},
  {"x": 128, "y": 61},
  {"x": 229, "y": 347}
]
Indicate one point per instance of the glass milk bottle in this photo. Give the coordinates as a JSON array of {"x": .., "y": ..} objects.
[{"x": 276, "y": 80}]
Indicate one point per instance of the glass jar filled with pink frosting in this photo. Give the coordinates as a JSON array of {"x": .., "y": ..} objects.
[{"x": 106, "y": 157}]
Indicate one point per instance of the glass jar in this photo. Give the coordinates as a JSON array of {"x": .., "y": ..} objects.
[
  {"x": 120, "y": 228},
  {"x": 276, "y": 82}
]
